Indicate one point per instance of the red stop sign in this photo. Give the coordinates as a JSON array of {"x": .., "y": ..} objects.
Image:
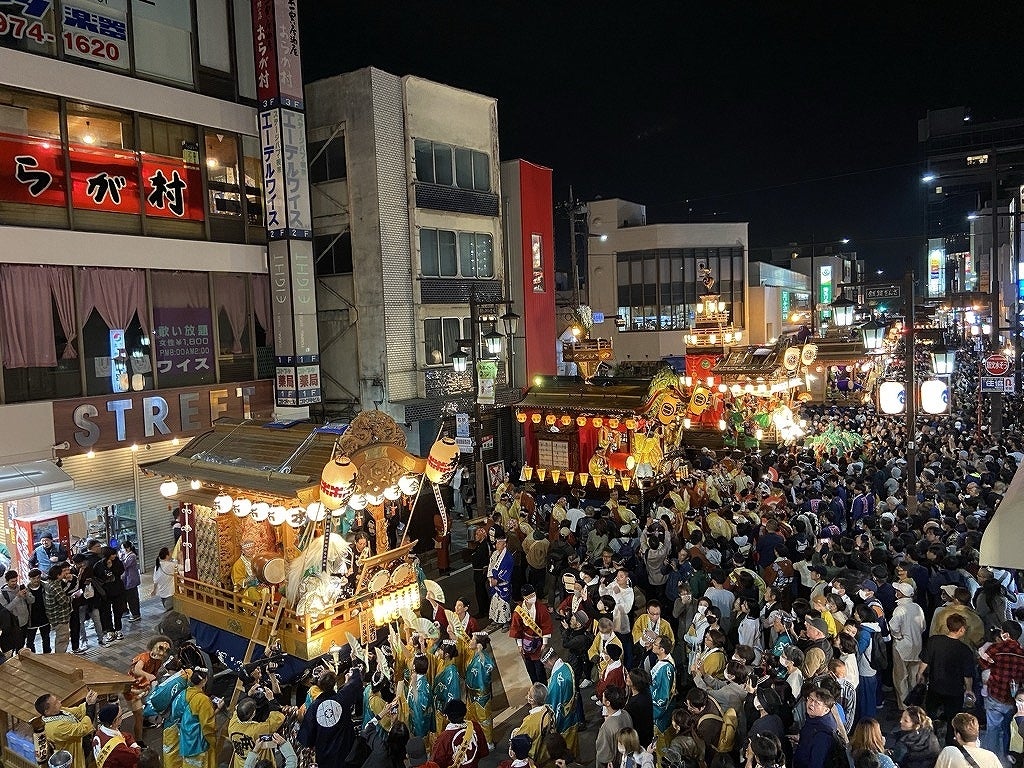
[{"x": 997, "y": 364}]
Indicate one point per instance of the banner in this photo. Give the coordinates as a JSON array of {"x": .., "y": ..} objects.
[
  {"x": 31, "y": 171},
  {"x": 96, "y": 31},
  {"x": 174, "y": 188},
  {"x": 486, "y": 373},
  {"x": 184, "y": 338},
  {"x": 104, "y": 179}
]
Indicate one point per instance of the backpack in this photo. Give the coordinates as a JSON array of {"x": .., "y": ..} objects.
[
  {"x": 879, "y": 659},
  {"x": 727, "y": 734},
  {"x": 7, "y": 620},
  {"x": 839, "y": 754}
]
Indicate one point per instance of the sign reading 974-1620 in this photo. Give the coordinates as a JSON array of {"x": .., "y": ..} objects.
[{"x": 96, "y": 31}]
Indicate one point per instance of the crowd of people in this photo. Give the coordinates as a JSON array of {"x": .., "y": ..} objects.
[{"x": 772, "y": 607}]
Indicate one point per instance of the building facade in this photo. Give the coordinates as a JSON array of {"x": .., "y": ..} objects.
[
  {"x": 133, "y": 282},
  {"x": 410, "y": 250},
  {"x": 649, "y": 277}
]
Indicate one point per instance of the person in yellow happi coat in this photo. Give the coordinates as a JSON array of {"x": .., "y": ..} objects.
[{"x": 67, "y": 726}]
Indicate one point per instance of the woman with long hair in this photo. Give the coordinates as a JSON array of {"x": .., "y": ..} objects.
[
  {"x": 387, "y": 739},
  {"x": 867, "y": 737},
  {"x": 163, "y": 578},
  {"x": 631, "y": 754},
  {"x": 913, "y": 744}
]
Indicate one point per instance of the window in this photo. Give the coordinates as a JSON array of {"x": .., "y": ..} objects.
[
  {"x": 327, "y": 159},
  {"x": 245, "y": 60},
  {"x": 212, "y": 23},
  {"x": 29, "y": 27},
  {"x": 657, "y": 289},
  {"x": 253, "y": 188},
  {"x": 222, "y": 174},
  {"x": 162, "y": 40},
  {"x": 444, "y": 253},
  {"x": 26, "y": 114},
  {"x": 440, "y": 335},
  {"x": 333, "y": 254},
  {"x": 183, "y": 328},
  {"x": 450, "y": 166},
  {"x": 553, "y": 454},
  {"x": 537, "y": 257},
  {"x": 100, "y": 127}
]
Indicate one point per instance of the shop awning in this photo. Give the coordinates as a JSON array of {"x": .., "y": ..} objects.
[
  {"x": 1002, "y": 544},
  {"x": 32, "y": 478}
]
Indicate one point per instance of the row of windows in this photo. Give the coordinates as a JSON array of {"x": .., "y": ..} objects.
[
  {"x": 450, "y": 166},
  {"x": 64, "y": 336},
  {"x": 659, "y": 288},
  {"x": 444, "y": 253},
  {"x": 67, "y": 136},
  {"x": 441, "y": 336},
  {"x": 203, "y": 45}
]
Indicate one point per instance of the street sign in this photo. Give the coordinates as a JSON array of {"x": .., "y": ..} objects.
[
  {"x": 487, "y": 443},
  {"x": 465, "y": 444},
  {"x": 1002, "y": 384},
  {"x": 598, "y": 317},
  {"x": 997, "y": 364},
  {"x": 883, "y": 292},
  {"x": 462, "y": 425}
]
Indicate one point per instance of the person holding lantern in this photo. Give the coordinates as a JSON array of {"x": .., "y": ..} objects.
[{"x": 499, "y": 580}]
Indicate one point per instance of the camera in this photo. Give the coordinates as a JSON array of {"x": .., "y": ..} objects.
[{"x": 265, "y": 737}]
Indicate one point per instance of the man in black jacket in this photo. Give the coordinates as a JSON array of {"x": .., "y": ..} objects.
[{"x": 480, "y": 556}]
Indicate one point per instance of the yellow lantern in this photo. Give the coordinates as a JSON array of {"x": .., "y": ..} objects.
[
  {"x": 569, "y": 476},
  {"x": 521, "y": 417},
  {"x": 566, "y": 421},
  {"x": 613, "y": 423},
  {"x": 542, "y": 474},
  {"x": 583, "y": 476},
  {"x": 610, "y": 479},
  {"x": 581, "y": 421},
  {"x": 626, "y": 482},
  {"x": 549, "y": 419},
  {"x": 441, "y": 461},
  {"x": 527, "y": 474},
  {"x": 336, "y": 482},
  {"x": 556, "y": 474},
  {"x": 598, "y": 421},
  {"x": 630, "y": 424},
  {"x": 535, "y": 418}
]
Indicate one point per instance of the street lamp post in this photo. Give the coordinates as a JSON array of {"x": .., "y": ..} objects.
[{"x": 466, "y": 354}]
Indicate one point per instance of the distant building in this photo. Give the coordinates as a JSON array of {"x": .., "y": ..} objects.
[{"x": 645, "y": 278}]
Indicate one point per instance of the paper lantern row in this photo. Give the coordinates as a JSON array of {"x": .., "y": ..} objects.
[{"x": 565, "y": 420}]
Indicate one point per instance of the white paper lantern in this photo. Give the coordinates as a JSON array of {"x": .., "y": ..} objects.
[
  {"x": 357, "y": 501},
  {"x": 316, "y": 511},
  {"x": 374, "y": 501},
  {"x": 296, "y": 517},
  {"x": 168, "y": 488},
  {"x": 195, "y": 485},
  {"x": 277, "y": 515},
  {"x": 242, "y": 507},
  {"x": 934, "y": 396},
  {"x": 409, "y": 484},
  {"x": 260, "y": 511},
  {"x": 223, "y": 503},
  {"x": 392, "y": 493},
  {"x": 892, "y": 397}
]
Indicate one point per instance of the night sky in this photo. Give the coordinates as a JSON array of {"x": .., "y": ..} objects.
[{"x": 796, "y": 117}]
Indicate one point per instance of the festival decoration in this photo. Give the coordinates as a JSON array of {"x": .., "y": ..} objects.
[{"x": 336, "y": 482}]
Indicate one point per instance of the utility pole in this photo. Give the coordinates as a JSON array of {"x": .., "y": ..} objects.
[
  {"x": 996, "y": 398},
  {"x": 572, "y": 207},
  {"x": 910, "y": 394}
]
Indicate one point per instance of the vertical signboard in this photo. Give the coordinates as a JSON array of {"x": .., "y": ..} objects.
[
  {"x": 282, "y": 131},
  {"x": 936, "y": 267},
  {"x": 825, "y": 285}
]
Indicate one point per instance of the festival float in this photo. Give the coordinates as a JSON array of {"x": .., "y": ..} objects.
[{"x": 265, "y": 509}]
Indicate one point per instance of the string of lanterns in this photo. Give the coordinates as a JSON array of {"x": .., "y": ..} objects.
[
  {"x": 389, "y": 607},
  {"x": 296, "y": 515},
  {"x": 565, "y": 420},
  {"x": 570, "y": 477}
]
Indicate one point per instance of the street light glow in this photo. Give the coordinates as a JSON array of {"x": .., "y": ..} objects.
[
  {"x": 972, "y": 216},
  {"x": 845, "y": 241},
  {"x": 928, "y": 177}
]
